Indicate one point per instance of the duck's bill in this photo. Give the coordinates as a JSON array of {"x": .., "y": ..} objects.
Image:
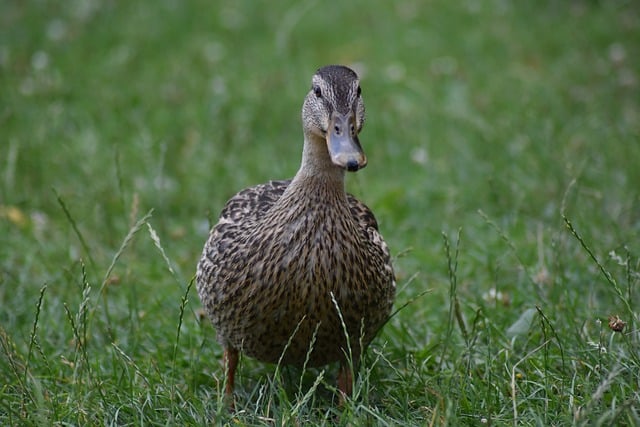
[{"x": 344, "y": 146}]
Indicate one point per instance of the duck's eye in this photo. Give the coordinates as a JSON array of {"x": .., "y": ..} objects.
[
  {"x": 359, "y": 91},
  {"x": 317, "y": 91}
]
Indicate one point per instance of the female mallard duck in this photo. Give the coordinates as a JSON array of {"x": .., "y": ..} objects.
[{"x": 290, "y": 262}]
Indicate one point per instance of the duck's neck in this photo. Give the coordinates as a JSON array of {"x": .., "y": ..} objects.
[
  {"x": 317, "y": 170},
  {"x": 318, "y": 177}
]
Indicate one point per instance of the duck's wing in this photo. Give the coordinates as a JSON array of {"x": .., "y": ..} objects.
[
  {"x": 250, "y": 204},
  {"x": 240, "y": 214},
  {"x": 361, "y": 213},
  {"x": 225, "y": 242},
  {"x": 369, "y": 225}
]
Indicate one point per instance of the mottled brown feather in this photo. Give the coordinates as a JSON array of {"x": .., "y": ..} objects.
[{"x": 257, "y": 285}]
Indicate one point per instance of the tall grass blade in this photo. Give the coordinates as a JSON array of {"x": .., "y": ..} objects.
[
  {"x": 34, "y": 332},
  {"x": 607, "y": 275},
  {"x": 156, "y": 241},
  {"x": 76, "y": 230},
  {"x": 454, "y": 306}
]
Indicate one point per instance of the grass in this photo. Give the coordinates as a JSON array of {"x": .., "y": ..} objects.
[{"x": 503, "y": 142}]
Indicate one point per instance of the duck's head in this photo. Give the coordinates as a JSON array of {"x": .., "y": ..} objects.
[{"x": 333, "y": 111}]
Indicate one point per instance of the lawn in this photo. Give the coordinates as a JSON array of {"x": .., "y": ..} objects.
[{"x": 503, "y": 141}]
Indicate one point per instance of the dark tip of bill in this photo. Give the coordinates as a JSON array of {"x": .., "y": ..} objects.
[{"x": 352, "y": 166}]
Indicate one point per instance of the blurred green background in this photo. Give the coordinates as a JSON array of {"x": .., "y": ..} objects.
[
  {"x": 477, "y": 105},
  {"x": 480, "y": 115}
]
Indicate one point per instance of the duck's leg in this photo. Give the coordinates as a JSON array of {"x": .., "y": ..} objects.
[
  {"x": 345, "y": 381},
  {"x": 230, "y": 360}
]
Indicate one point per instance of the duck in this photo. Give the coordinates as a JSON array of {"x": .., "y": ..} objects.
[{"x": 296, "y": 272}]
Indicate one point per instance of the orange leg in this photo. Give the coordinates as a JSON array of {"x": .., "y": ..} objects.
[
  {"x": 230, "y": 360},
  {"x": 345, "y": 381}
]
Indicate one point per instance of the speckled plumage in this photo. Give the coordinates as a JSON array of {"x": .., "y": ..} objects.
[{"x": 285, "y": 253}]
